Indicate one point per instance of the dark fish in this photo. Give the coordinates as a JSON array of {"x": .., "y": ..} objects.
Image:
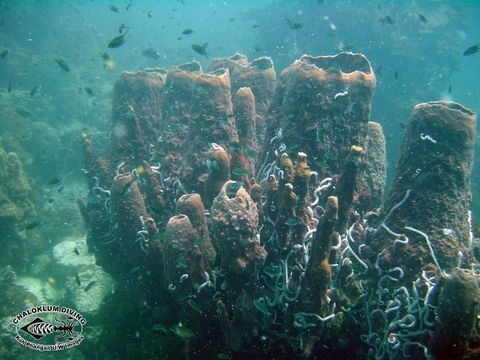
[
  {"x": 231, "y": 19},
  {"x": 63, "y": 65},
  {"x": 35, "y": 89},
  {"x": 151, "y": 53},
  {"x": 9, "y": 87},
  {"x": 255, "y": 26},
  {"x": 121, "y": 28},
  {"x": 135, "y": 269},
  {"x": 422, "y": 18},
  {"x": 293, "y": 25},
  {"x": 319, "y": 1},
  {"x": 54, "y": 181},
  {"x": 250, "y": 153},
  {"x": 187, "y": 32},
  {"x": 257, "y": 48},
  {"x": 128, "y": 6},
  {"x": 76, "y": 251},
  {"x": 127, "y": 187},
  {"x": 77, "y": 278},
  {"x": 201, "y": 49},
  {"x": 472, "y": 50},
  {"x": 90, "y": 285},
  {"x": 396, "y": 75},
  {"x": 235, "y": 145},
  {"x": 88, "y": 90},
  {"x": 104, "y": 55},
  {"x": 4, "y": 54},
  {"x": 450, "y": 89},
  {"x": 60, "y": 189},
  {"x": 240, "y": 171},
  {"x": 23, "y": 113},
  {"x": 378, "y": 71},
  {"x": 114, "y": 9},
  {"x": 387, "y": 20},
  {"x": 292, "y": 222},
  {"x": 117, "y": 41},
  {"x": 51, "y": 200},
  {"x": 149, "y": 13},
  {"x": 33, "y": 225}
]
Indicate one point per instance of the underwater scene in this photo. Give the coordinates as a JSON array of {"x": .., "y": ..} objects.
[{"x": 239, "y": 179}]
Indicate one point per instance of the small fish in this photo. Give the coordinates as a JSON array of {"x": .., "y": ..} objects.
[
  {"x": 293, "y": 25},
  {"x": 233, "y": 188},
  {"x": 255, "y": 26},
  {"x": 201, "y": 49},
  {"x": 104, "y": 55},
  {"x": 240, "y": 171},
  {"x": 187, "y": 32},
  {"x": 33, "y": 225},
  {"x": 198, "y": 241},
  {"x": 231, "y": 19},
  {"x": 396, "y": 75},
  {"x": 4, "y": 54},
  {"x": 114, "y": 9},
  {"x": 77, "y": 279},
  {"x": 23, "y": 113},
  {"x": 149, "y": 13},
  {"x": 54, "y": 181},
  {"x": 121, "y": 28},
  {"x": 194, "y": 306},
  {"x": 35, "y": 89},
  {"x": 235, "y": 145},
  {"x": 117, "y": 41},
  {"x": 450, "y": 89},
  {"x": 292, "y": 222},
  {"x": 75, "y": 250},
  {"x": 257, "y": 48},
  {"x": 387, "y": 20},
  {"x": 63, "y": 65},
  {"x": 128, "y": 6},
  {"x": 181, "y": 263},
  {"x": 51, "y": 200},
  {"x": 88, "y": 90},
  {"x": 135, "y": 269},
  {"x": 250, "y": 153},
  {"x": 90, "y": 285},
  {"x": 9, "y": 87},
  {"x": 160, "y": 236},
  {"x": 182, "y": 331},
  {"x": 160, "y": 327},
  {"x": 422, "y": 18},
  {"x": 127, "y": 187},
  {"x": 472, "y": 50},
  {"x": 378, "y": 71},
  {"x": 151, "y": 53}
]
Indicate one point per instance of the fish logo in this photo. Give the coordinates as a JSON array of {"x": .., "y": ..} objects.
[
  {"x": 49, "y": 328},
  {"x": 39, "y": 328}
]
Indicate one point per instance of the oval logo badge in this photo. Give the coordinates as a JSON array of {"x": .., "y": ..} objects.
[{"x": 49, "y": 328}]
